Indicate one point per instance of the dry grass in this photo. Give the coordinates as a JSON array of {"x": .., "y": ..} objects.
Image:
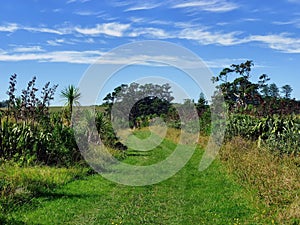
[
  {"x": 276, "y": 179},
  {"x": 178, "y": 136}
]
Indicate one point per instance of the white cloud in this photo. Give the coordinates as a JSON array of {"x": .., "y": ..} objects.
[
  {"x": 281, "y": 42},
  {"x": 11, "y": 27},
  {"x": 84, "y": 57},
  {"x": 91, "y": 57},
  {"x": 111, "y": 29},
  {"x": 44, "y": 30},
  {"x": 86, "y": 13},
  {"x": 28, "y": 49},
  {"x": 59, "y": 42},
  {"x": 205, "y": 37},
  {"x": 150, "y": 31},
  {"x": 145, "y": 6},
  {"x": 226, "y": 62},
  {"x": 294, "y": 22},
  {"x": 79, "y": 1},
  {"x": 208, "y": 5},
  {"x": 119, "y": 3}
]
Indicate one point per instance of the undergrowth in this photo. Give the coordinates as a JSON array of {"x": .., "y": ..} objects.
[{"x": 274, "y": 178}]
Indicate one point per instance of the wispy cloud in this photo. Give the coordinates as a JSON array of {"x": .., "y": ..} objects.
[
  {"x": 120, "y": 3},
  {"x": 28, "y": 49},
  {"x": 208, "y": 5},
  {"x": 206, "y": 37},
  {"x": 150, "y": 32},
  {"x": 93, "y": 57},
  {"x": 111, "y": 29},
  {"x": 79, "y": 1},
  {"x": 145, "y": 6},
  {"x": 59, "y": 42},
  {"x": 57, "y": 10},
  {"x": 84, "y": 57},
  {"x": 11, "y": 27},
  {"x": 294, "y": 22},
  {"x": 226, "y": 62},
  {"x": 86, "y": 13},
  {"x": 281, "y": 42},
  {"x": 43, "y": 30}
]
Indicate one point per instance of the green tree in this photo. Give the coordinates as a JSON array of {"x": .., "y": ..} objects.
[
  {"x": 241, "y": 91},
  {"x": 4, "y": 104},
  {"x": 273, "y": 90},
  {"x": 139, "y": 102},
  {"x": 286, "y": 90},
  {"x": 201, "y": 105},
  {"x": 71, "y": 95},
  {"x": 264, "y": 87}
]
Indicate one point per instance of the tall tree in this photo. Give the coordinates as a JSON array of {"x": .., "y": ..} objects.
[
  {"x": 201, "y": 105},
  {"x": 286, "y": 90},
  {"x": 241, "y": 91},
  {"x": 273, "y": 90},
  {"x": 264, "y": 88},
  {"x": 71, "y": 95}
]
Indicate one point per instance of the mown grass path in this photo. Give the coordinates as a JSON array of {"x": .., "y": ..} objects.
[{"x": 189, "y": 197}]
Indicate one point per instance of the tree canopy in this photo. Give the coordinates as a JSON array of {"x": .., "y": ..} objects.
[{"x": 139, "y": 102}]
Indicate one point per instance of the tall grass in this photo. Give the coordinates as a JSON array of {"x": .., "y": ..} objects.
[{"x": 274, "y": 178}]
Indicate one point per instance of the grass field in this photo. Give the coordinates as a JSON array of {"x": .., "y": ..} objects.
[{"x": 189, "y": 197}]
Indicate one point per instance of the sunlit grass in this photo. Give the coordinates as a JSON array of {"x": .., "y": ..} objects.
[
  {"x": 189, "y": 197},
  {"x": 19, "y": 185}
]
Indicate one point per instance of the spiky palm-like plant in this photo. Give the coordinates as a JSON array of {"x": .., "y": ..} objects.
[{"x": 71, "y": 95}]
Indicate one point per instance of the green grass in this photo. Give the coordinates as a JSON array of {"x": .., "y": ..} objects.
[{"x": 189, "y": 197}]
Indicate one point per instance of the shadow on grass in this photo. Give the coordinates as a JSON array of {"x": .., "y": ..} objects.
[
  {"x": 33, "y": 202},
  {"x": 138, "y": 153},
  {"x": 10, "y": 221}
]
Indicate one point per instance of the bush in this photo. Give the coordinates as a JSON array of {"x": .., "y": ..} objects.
[{"x": 49, "y": 142}]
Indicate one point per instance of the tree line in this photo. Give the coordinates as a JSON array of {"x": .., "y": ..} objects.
[
  {"x": 259, "y": 98},
  {"x": 30, "y": 132}
]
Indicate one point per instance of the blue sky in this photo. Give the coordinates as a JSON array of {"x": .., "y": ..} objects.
[{"x": 57, "y": 40}]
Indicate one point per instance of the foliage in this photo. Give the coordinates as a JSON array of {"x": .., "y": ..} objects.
[
  {"x": 30, "y": 134},
  {"x": 273, "y": 90},
  {"x": 4, "y": 104},
  {"x": 140, "y": 103},
  {"x": 261, "y": 98},
  {"x": 71, "y": 95},
  {"x": 202, "y": 104},
  {"x": 286, "y": 91},
  {"x": 28, "y": 107},
  {"x": 281, "y": 134},
  {"x": 49, "y": 143},
  {"x": 241, "y": 91}
]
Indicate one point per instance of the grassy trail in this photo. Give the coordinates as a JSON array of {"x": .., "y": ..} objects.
[{"x": 189, "y": 197}]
